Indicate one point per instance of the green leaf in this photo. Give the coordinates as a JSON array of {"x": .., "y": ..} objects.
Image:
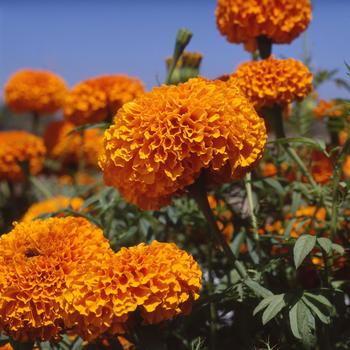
[
  {"x": 237, "y": 241},
  {"x": 318, "y": 144},
  {"x": 275, "y": 306},
  {"x": 319, "y": 298},
  {"x": 258, "y": 289},
  {"x": 316, "y": 311},
  {"x": 338, "y": 248},
  {"x": 302, "y": 248},
  {"x": 289, "y": 227},
  {"x": 275, "y": 185},
  {"x": 293, "y": 319},
  {"x": 263, "y": 304},
  {"x": 325, "y": 244},
  {"x": 89, "y": 126}
]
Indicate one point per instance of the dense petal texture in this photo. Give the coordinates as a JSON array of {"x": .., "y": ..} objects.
[
  {"x": 273, "y": 81},
  {"x": 95, "y": 100},
  {"x": 37, "y": 91},
  {"x": 17, "y": 147},
  {"x": 242, "y": 21},
  {"x": 160, "y": 280},
  {"x": 67, "y": 146},
  {"x": 35, "y": 259},
  {"x": 160, "y": 142},
  {"x": 52, "y": 205}
]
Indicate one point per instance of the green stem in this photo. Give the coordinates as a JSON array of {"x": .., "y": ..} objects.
[
  {"x": 264, "y": 46},
  {"x": 248, "y": 186},
  {"x": 39, "y": 186},
  {"x": 336, "y": 180},
  {"x": 35, "y": 123},
  {"x": 213, "y": 314}
]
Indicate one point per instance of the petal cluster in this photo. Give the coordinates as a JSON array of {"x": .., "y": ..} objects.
[
  {"x": 328, "y": 109},
  {"x": 273, "y": 81},
  {"x": 16, "y": 148},
  {"x": 67, "y": 146},
  {"x": 163, "y": 140},
  {"x": 242, "y": 21},
  {"x": 95, "y": 100},
  {"x": 35, "y": 259},
  {"x": 159, "y": 280},
  {"x": 52, "y": 205},
  {"x": 35, "y": 91}
]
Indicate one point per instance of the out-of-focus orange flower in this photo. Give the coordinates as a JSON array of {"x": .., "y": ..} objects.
[
  {"x": 342, "y": 136},
  {"x": 35, "y": 91},
  {"x": 67, "y": 146},
  {"x": 269, "y": 169},
  {"x": 80, "y": 178},
  {"x": 18, "y": 147},
  {"x": 36, "y": 259},
  {"x": 328, "y": 109},
  {"x": 6, "y": 347},
  {"x": 162, "y": 141},
  {"x": 160, "y": 280},
  {"x": 97, "y": 99},
  {"x": 321, "y": 167},
  {"x": 52, "y": 205},
  {"x": 224, "y": 216},
  {"x": 242, "y": 21},
  {"x": 273, "y": 81},
  {"x": 346, "y": 167}
]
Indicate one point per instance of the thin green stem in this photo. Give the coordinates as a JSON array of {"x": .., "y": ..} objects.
[
  {"x": 213, "y": 314},
  {"x": 248, "y": 186},
  {"x": 40, "y": 187}
]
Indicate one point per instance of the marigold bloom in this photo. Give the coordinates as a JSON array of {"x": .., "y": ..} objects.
[
  {"x": 269, "y": 169},
  {"x": 346, "y": 167},
  {"x": 37, "y": 91},
  {"x": 97, "y": 99},
  {"x": 67, "y": 146},
  {"x": 17, "y": 147},
  {"x": 52, "y": 205},
  {"x": 328, "y": 109},
  {"x": 162, "y": 141},
  {"x": 273, "y": 81},
  {"x": 321, "y": 167},
  {"x": 342, "y": 136},
  {"x": 160, "y": 280},
  {"x": 242, "y": 21},
  {"x": 6, "y": 347},
  {"x": 35, "y": 259}
]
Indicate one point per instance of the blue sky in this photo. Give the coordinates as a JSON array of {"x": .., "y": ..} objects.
[{"x": 83, "y": 38}]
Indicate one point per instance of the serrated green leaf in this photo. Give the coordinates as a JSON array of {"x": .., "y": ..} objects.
[
  {"x": 275, "y": 306},
  {"x": 325, "y": 244},
  {"x": 302, "y": 248}
]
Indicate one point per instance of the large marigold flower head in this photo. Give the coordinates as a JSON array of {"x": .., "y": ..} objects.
[
  {"x": 243, "y": 21},
  {"x": 52, "y": 205},
  {"x": 273, "y": 81},
  {"x": 18, "y": 147},
  {"x": 161, "y": 142},
  {"x": 35, "y": 259},
  {"x": 160, "y": 280},
  {"x": 35, "y": 91},
  {"x": 67, "y": 146},
  {"x": 95, "y": 100}
]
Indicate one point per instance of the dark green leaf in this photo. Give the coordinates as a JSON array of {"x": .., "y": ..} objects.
[
  {"x": 258, "y": 289},
  {"x": 325, "y": 244},
  {"x": 275, "y": 306},
  {"x": 302, "y": 248}
]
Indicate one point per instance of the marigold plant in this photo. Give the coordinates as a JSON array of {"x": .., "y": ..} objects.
[
  {"x": 35, "y": 91},
  {"x": 16, "y": 149},
  {"x": 35, "y": 260},
  {"x": 162, "y": 141},
  {"x": 97, "y": 99},
  {"x": 243, "y": 21}
]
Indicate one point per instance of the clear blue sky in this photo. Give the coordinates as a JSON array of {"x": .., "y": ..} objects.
[{"x": 83, "y": 38}]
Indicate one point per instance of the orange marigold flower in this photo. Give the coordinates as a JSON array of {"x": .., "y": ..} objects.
[
  {"x": 80, "y": 178},
  {"x": 67, "y": 146},
  {"x": 52, "y": 205},
  {"x": 342, "y": 136},
  {"x": 160, "y": 280},
  {"x": 17, "y": 147},
  {"x": 346, "y": 166},
  {"x": 6, "y": 347},
  {"x": 328, "y": 109},
  {"x": 269, "y": 169},
  {"x": 321, "y": 167},
  {"x": 35, "y": 260},
  {"x": 162, "y": 141},
  {"x": 97, "y": 99},
  {"x": 273, "y": 81},
  {"x": 242, "y": 21},
  {"x": 35, "y": 91}
]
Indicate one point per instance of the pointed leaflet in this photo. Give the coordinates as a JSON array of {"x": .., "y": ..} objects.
[{"x": 302, "y": 248}]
